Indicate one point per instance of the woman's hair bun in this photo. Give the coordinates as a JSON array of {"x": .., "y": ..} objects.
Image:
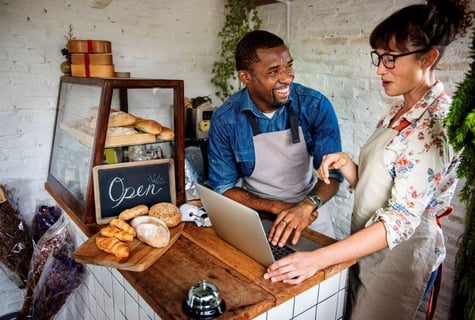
[{"x": 452, "y": 16}]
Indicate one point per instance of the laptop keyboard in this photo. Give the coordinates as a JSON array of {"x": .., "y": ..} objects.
[{"x": 280, "y": 252}]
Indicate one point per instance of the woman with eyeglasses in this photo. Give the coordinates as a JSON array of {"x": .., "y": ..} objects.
[{"x": 406, "y": 174}]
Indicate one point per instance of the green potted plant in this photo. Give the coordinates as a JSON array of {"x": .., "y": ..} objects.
[
  {"x": 461, "y": 131},
  {"x": 241, "y": 17}
]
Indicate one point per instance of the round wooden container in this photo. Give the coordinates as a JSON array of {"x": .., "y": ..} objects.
[
  {"x": 93, "y": 70},
  {"x": 89, "y": 46},
  {"x": 91, "y": 58}
]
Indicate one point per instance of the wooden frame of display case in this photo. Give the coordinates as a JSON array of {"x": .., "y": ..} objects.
[{"x": 86, "y": 211}]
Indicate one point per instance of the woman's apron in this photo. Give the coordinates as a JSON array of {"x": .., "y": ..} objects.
[
  {"x": 388, "y": 284},
  {"x": 283, "y": 168}
]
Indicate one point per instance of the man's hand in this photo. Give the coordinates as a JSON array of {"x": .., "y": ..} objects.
[{"x": 293, "y": 220}]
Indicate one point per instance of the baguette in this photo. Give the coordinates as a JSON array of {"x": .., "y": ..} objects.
[
  {"x": 148, "y": 126},
  {"x": 114, "y": 232},
  {"x": 124, "y": 226},
  {"x": 166, "y": 134},
  {"x": 113, "y": 246},
  {"x": 120, "y": 119},
  {"x": 131, "y": 213}
]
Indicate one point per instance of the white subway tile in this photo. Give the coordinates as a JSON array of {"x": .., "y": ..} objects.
[
  {"x": 329, "y": 287},
  {"x": 306, "y": 299},
  {"x": 282, "y": 311}
]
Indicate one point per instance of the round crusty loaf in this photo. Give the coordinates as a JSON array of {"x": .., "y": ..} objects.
[
  {"x": 166, "y": 134},
  {"x": 151, "y": 230},
  {"x": 167, "y": 212},
  {"x": 148, "y": 126},
  {"x": 136, "y": 211}
]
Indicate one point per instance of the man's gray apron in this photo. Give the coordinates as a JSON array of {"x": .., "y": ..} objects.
[
  {"x": 284, "y": 169},
  {"x": 388, "y": 284}
]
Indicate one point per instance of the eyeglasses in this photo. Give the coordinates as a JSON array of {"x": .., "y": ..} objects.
[{"x": 389, "y": 60}]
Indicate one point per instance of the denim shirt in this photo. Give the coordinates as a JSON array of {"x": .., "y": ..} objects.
[{"x": 231, "y": 149}]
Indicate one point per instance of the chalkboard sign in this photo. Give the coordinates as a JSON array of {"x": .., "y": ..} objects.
[{"x": 125, "y": 185}]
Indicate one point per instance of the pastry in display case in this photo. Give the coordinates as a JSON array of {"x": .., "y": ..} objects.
[{"x": 112, "y": 120}]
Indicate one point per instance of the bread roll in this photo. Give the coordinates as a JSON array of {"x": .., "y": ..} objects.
[
  {"x": 131, "y": 213},
  {"x": 148, "y": 126},
  {"x": 114, "y": 232},
  {"x": 114, "y": 246},
  {"x": 152, "y": 231},
  {"x": 167, "y": 212},
  {"x": 124, "y": 226},
  {"x": 166, "y": 134},
  {"x": 120, "y": 119}
]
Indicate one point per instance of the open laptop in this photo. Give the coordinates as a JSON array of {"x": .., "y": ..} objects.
[{"x": 242, "y": 227}]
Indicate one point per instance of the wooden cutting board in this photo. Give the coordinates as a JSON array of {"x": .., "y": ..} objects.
[{"x": 140, "y": 258}]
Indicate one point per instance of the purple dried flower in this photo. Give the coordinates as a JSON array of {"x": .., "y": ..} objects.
[{"x": 56, "y": 284}]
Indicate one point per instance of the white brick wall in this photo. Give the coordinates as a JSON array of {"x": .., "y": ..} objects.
[{"x": 178, "y": 39}]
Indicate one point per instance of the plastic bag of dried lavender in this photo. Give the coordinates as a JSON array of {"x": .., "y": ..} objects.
[
  {"x": 60, "y": 277},
  {"x": 43, "y": 219},
  {"x": 56, "y": 240}
]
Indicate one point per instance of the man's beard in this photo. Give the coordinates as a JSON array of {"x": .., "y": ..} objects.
[{"x": 278, "y": 104}]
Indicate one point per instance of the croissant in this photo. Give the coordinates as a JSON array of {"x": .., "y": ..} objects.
[
  {"x": 114, "y": 232},
  {"x": 114, "y": 246},
  {"x": 124, "y": 226}
]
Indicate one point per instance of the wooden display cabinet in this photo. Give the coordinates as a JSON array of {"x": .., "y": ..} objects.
[{"x": 81, "y": 133}]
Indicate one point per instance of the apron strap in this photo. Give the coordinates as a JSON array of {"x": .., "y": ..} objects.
[
  {"x": 434, "y": 295},
  {"x": 252, "y": 122},
  {"x": 293, "y": 123}
]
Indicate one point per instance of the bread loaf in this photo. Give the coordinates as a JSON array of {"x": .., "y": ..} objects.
[
  {"x": 167, "y": 212},
  {"x": 120, "y": 119},
  {"x": 114, "y": 232},
  {"x": 148, "y": 126},
  {"x": 131, "y": 213},
  {"x": 166, "y": 134},
  {"x": 152, "y": 231},
  {"x": 124, "y": 226},
  {"x": 114, "y": 246},
  {"x": 120, "y": 131},
  {"x": 143, "y": 219}
]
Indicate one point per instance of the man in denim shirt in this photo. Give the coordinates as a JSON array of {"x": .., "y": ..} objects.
[{"x": 266, "y": 141}]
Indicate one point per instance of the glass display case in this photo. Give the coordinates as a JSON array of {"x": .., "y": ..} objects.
[{"x": 84, "y": 135}]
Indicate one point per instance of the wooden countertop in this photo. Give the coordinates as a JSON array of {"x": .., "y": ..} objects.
[{"x": 198, "y": 254}]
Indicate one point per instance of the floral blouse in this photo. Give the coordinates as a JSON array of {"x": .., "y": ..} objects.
[{"x": 422, "y": 164}]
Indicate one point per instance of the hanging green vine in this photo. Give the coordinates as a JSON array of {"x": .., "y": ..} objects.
[
  {"x": 461, "y": 131},
  {"x": 241, "y": 17}
]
